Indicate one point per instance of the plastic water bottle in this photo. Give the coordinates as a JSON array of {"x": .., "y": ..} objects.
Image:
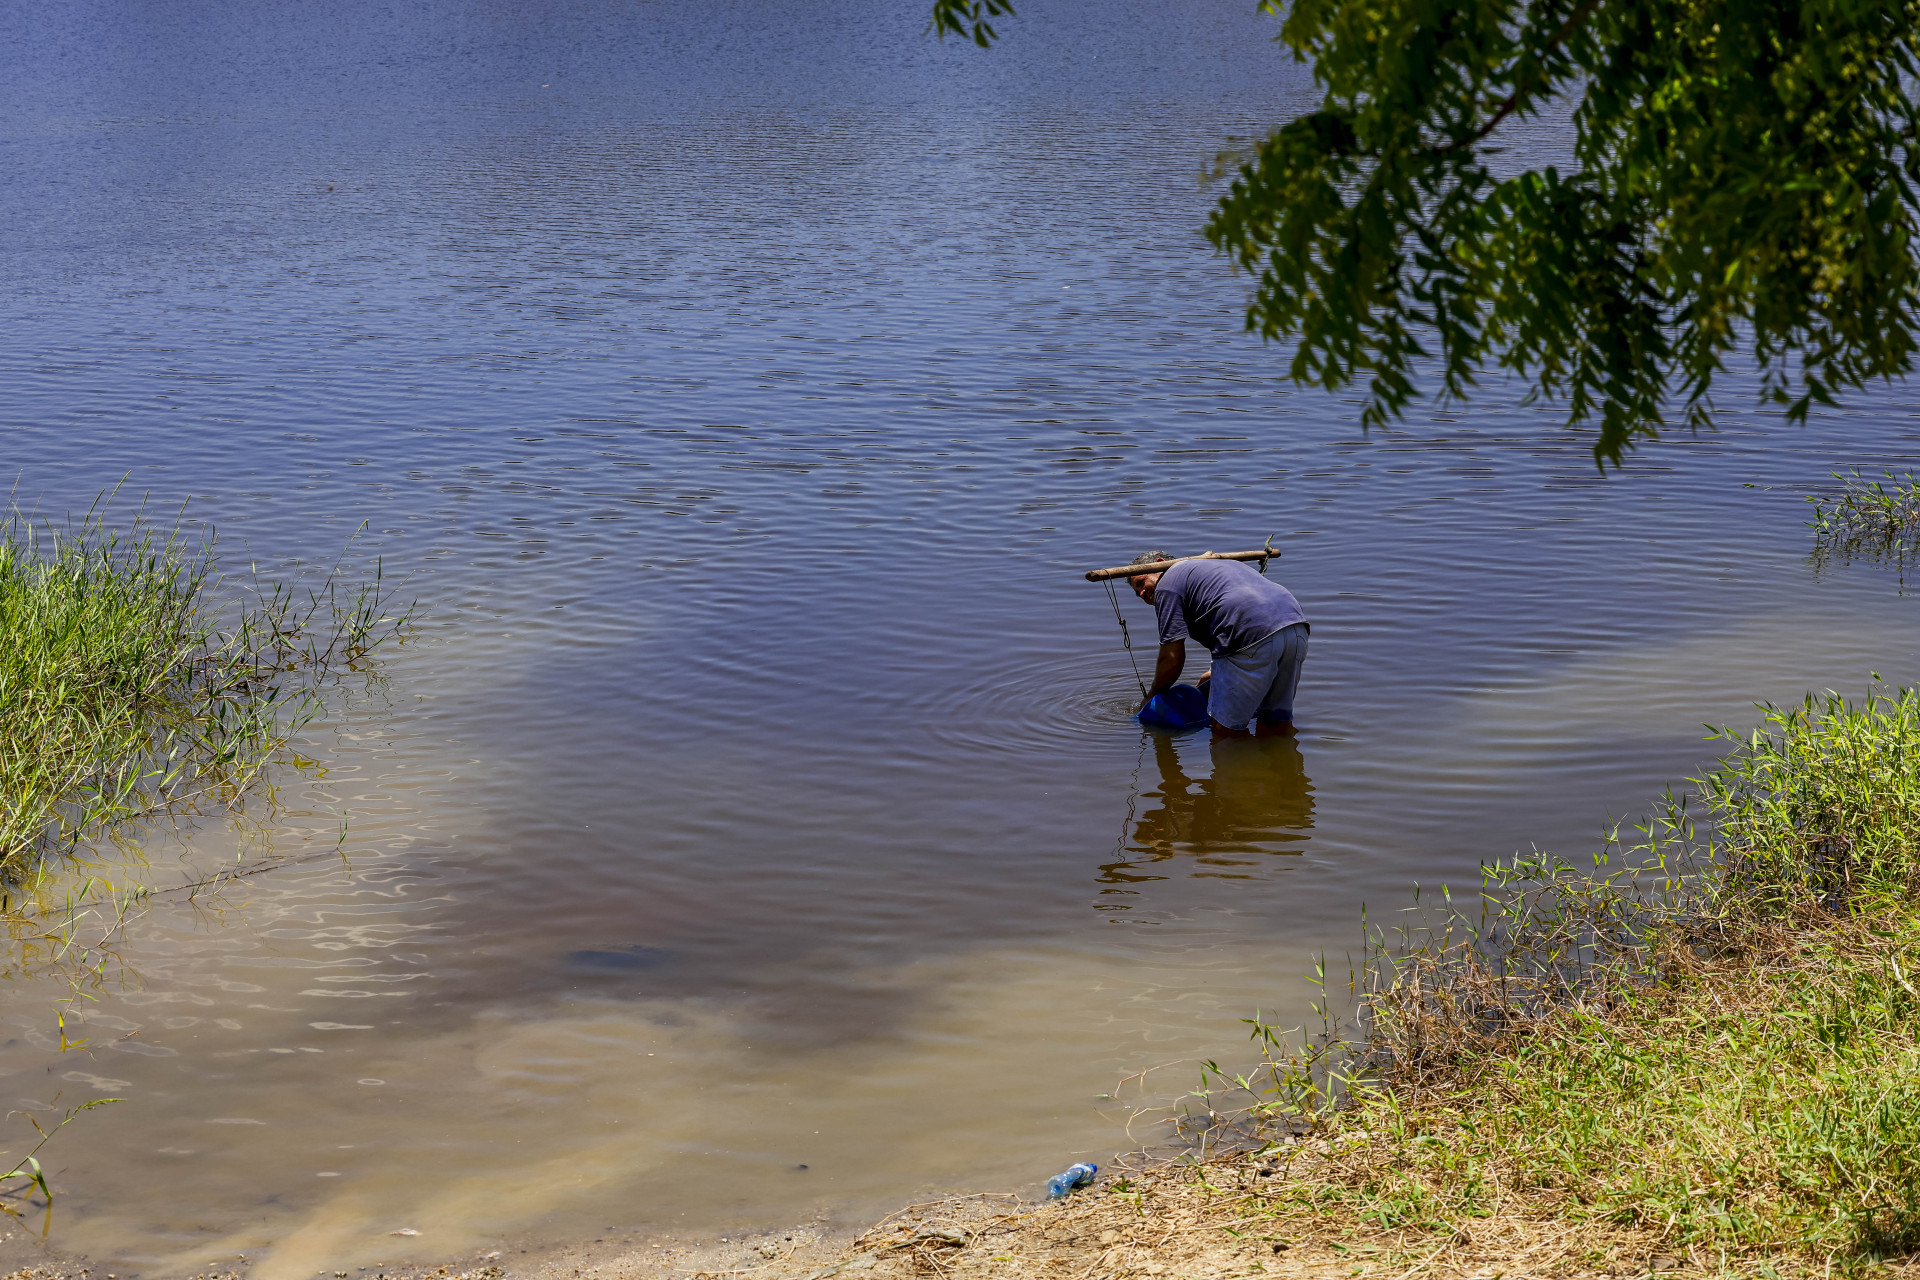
[{"x": 1074, "y": 1175}]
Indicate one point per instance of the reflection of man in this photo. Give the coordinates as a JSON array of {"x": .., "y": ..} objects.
[
  {"x": 1254, "y": 627},
  {"x": 1259, "y": 800}
]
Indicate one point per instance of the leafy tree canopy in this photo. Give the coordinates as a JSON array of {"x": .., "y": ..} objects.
[{"x": 1744, "y": 178}]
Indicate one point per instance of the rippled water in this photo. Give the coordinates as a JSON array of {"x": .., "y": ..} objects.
[{"x": 753, "y": 825}]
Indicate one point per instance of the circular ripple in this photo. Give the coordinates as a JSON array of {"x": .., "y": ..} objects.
[{"x": 1041, "y": 707}]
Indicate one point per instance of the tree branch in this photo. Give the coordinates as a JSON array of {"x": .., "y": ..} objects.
[{"x": 1575, "y": 20}]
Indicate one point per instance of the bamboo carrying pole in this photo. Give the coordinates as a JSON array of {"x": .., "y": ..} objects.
[{"x": 1157, "y": 566}]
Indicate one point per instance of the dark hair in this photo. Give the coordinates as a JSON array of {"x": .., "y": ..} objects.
[{"x": 1151, "y": 557}]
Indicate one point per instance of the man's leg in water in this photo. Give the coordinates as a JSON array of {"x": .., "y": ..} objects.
[
  {"x": 1219, "y": 730},
  {"x": 1225, "y": 685},
  {"x": 1242, "y": 684},
  {"x": 1276, "y": 709}
]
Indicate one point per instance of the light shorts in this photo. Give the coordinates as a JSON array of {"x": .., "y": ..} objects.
[{"x": 1258, "y": 680}]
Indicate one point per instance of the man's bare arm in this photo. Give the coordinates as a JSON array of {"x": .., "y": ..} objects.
[{"x": 1166, "y": 671}]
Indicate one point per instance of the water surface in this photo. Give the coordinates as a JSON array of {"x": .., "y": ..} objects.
[{"x": 753, "y": 824}]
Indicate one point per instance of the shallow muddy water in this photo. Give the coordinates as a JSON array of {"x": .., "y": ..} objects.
[{"x": 752, "y": 824}]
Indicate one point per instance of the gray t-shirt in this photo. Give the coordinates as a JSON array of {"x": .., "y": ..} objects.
[{"x": 1224, "y": 604}]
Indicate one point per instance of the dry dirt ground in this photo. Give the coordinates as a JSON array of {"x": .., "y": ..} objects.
[{"x": 1170, "y": 1221}]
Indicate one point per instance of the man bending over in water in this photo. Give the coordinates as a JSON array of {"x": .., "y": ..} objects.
[{"x": 1254, "y": 627}]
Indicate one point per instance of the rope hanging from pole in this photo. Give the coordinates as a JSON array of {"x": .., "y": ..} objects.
[{"x": 1126, "y": 639}]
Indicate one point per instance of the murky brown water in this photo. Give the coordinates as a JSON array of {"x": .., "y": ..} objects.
[{"x": 742, "y": 395}]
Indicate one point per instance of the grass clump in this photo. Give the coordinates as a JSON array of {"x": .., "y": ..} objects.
[
  {"x": 1872, "y": 520},
  {"x": 133, "y": 682},
  {"x": 1709, "y": 1040}
]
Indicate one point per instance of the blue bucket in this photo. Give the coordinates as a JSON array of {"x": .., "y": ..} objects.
[{"x": 1181, "y": 707}]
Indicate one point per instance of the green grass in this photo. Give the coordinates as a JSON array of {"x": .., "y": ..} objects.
[
  {"x": 1710, "y": 1038},
  {"x": 135, "y": 682},
  {"x": 1872, "y": 520},
  {"x": 1747, "y": 1108}
]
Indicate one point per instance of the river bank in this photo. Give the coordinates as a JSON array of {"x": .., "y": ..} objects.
[{"x": 1233, "y": 1216}]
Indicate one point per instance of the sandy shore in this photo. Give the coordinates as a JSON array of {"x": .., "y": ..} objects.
[{"x": 1209, "y": 1221}]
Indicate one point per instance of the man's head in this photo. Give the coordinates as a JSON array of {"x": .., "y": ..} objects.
[{"x": 1144, "y": 583}]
